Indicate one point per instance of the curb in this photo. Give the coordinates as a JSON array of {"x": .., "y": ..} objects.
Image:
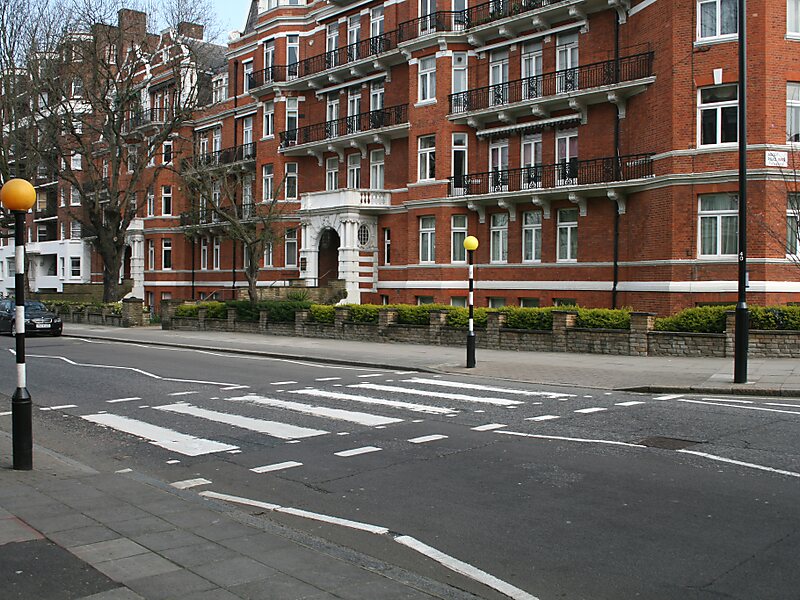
[{"x": 731, "y": 391}]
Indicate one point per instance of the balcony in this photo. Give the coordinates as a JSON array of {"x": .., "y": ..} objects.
[
  {"x": 145, "y": 118},
  {"x": 243, "y": 154},
  {"x": 355, "y": 131},
  {"x": 361, "y": 199},
  {"x": 608, "y": 81},
  {"x": 437, "y": 22},
  {"x": 570, "y": 174}
]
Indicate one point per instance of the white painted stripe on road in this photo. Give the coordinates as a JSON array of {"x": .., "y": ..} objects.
[
  {"x": 58, "y": 407},
  {"x": 160, "y": 436},
  {"x": 590, "y": 410},
  {"x": 729, "y": 400},
  {"x": 779, "y": 404},
  {"x": 182, "y": 393},
  {"x": 631, "y": 403},
  {"x": 775, "y": 410},
  {"x": 543, "y": 418},
  {"x": 297, "y": 512},
  {"x": 486, "y": 388},
  {"x": 121, "y": 471},
  {"x": 283, "y": 382},
  {"x": 327, "y": 379},
  {"x": 424, "y": 408},
  {"x": 5, "y": 414},
  {"x": 401, "y": 390},
  {"x": 131, "y": 399},
  {"x": 740, "y": 463},
  {"x": 569, "y": 439},
  {"x": 173, "y": 462},
  {"x": 189, "y": 483},
  {"x": 669, "y": 397},
  {"x": 464, "y": 568},
  {"x": 357, "y": 451},
  {"x": 283, "y": 431},
  {"x": 234, "y": 387},
  {"x": 427, "y": 438},
  {"x": 489, "y": 427},
  {"x": 360, "y": 418},
  {"x": 372, "y": 375},
  {"x": 277, "y": 467},
  {"x": 443, "y": 559}
]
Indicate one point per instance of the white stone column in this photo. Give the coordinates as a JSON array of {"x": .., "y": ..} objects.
[
  {"x": 348, "y": 259},
  {"x": 135, "y": 236},
  {"x": 309, "y": 251}
]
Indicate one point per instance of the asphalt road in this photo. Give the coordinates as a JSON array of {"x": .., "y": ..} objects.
[{"x": 563, "y": 493}]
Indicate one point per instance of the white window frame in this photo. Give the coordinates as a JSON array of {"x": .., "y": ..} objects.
[
  {"x": 76, "y": 161},
  {"x": 460, "y": 149},
  {"x": 387, "y": 246},
  {"x": 151, "y": 255},
  {"x": 793, "y": 18},
  {"x": 717, "y": 217},
  {"x": 166, "y": 254},
  {"x": 290, "y": 190},
  {"x": 377, "y": 169},
  {"x": 75, "y": 230},
  {"x": 204, "y": 254},
  {"x": 354, "y": 170},
  {"x": 793, "y": 111},
  {"x": 150, "y": 204},
  {"x": 717, "y": 34},
  {"x": 567, "y": 229},
  {"x": 247, "y": 70},
  {"x": 458, "y": 233},
  {"x": 268, "y": 254},
  {"x": 331, "y": 173},
  {"x": 498, "y": 238},
  {"x": 427, "y": 79},
  {"x": 532, "y": 236},
  {"x": 717, "y": 109},
  {"x": 166, "y": 200},
  {"x": 460, "y": 76},
  {"x": 166, "y": 153},
  {"x": 216, "y": 253},
  {"x": 267, "y": 183},
  {"x": 75, "y": 273},
  {"x": 290, "y": 243},
  {"x": 74, "y": 196},
  {"x": 793, "y": 226},
  {"x": 426, "y": 157},
  {"x": 427, "y": 240},
  {"x": 292, "y": 114},
  {"x": 269, "y": 120}
]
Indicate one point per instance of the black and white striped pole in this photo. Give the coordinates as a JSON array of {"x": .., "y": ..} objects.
[
  {"x": 18, "y": 196},
  {"x": 470, "y": 245}
]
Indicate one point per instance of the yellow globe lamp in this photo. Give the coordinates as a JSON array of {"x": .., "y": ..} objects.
[
  {"x": 470, "y": 243},
  {"x": 17, "y": 194}
]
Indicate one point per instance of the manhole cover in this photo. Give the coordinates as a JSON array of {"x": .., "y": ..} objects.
[{"x": 667, "y": 443}]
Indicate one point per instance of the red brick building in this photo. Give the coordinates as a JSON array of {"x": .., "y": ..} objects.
[{"x": 590, "y": 145}]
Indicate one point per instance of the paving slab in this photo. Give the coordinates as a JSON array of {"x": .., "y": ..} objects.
[
  {"x": 16, "y": 530},
  {"x": 199, "y": 554},
  {"x": 234, "y": 571},
  {"x": 164, "y": 540},
  {"x": 136, "y": 567},
  {"x": 167, "y": 586},
  {"x": 83, "y": 536},
  {"x": 108, "y": 550}
]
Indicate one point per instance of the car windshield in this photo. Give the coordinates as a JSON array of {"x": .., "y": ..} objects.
[{"x": 31, "y": 305}]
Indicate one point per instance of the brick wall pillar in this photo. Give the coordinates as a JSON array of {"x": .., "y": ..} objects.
[
  {"x": 231, "y": 325},
  {"x": 341, "y": 316},
  {"x": 437, "y": 320},
  {"x": 730, "y": 333},
  {"x": 642, "y": 323},
  {"x": 562, "y": 321},
  {"x": 103, "y": 314},
  {"x": 132, "y": 315},
  {"x": 495, "y": 321},
  {"x": 168, "y": 312},
  {"x": 201, "y": 318},
  {"x": 386, "y": 318},
  {"x": 262, "y": 320},
  {"x": 300, "y": 320}
]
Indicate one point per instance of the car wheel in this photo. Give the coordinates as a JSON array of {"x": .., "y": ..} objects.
[{"x": 57, "y": 333}]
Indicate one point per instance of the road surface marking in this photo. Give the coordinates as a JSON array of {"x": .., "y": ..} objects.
[
  {"x": 357, "y": 451},
  {"x": 372, "y": 375},
  {"x": 182, "y": 393},
  {"x": 427, "y": 438},
  {"x": 590, "y": 410},
  {"x": 485, "y": 388},
  {"x": 779, "y": 404},
  {"x": 443, "y": 395},
  {"x": 234, "y": 452},
  {"x": 406, "y": 373},
  {"x": 58, "y": 407},
  {"x": 5, "y": 414},
  {"x": 360, "y": 418},
  {"x": 569, "y": 439},
  {"x": 669, "y": 397},
  {"x": 168, "y": 439},
  {"x": 293, "y": 442},
  {"x": 776, "y": 410},
  {"x": 343, "y": 433},
  {"x": 235, "y": 387},
  {"x": 121, "y": 471},
  {"x": 327, "y": 379},
  {"x": 277, "y": 467},
  {"x": 630, "y": 403},
  {"x": 729, "y": 400},
  {"x": 173, "y": 462},
  {"x": 489, "y": 427},
  {"x": 283, "y": 382},
  {"x": 543, "y": 418},
  {"x": 189, "y": 483},
  {"x": 588, "y": 396},
  {"x": 464, "y": 568},
  {"x": 437, "y": 410},
  {"x": 283, "y": 431},
  {"x": 740, "y": 463},
  {"x": 445, "y": 560},
  {"x": 131, "y": 399},
  {"x": 414, "y": 421}
]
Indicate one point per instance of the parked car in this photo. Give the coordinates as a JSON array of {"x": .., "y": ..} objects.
[{"x": 37, "y": 318}]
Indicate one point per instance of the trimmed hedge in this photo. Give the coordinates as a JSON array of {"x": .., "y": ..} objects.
[
  {"x": 364, "y": 313},
  {"x": 534, "y": 319},
  {"x": 703, "y": 319},
  {"x": 115, "y": 308},
  {"x": 322, "y": 313},
  {"x": 775, "y": 317},
  {"x": 459, "y": 317},
  {"x": 603, "y": 318},
  {"x": 278, "y": 311},
  {"x": 410, "y": 314}
]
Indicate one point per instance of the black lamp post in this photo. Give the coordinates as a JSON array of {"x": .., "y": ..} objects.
[
  {"x": 18, "y": 196},
  {"x": 741, "y": 339},
  {"x": 470, "y": 245}
]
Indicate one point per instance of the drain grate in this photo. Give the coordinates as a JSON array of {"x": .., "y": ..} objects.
[{"x": 667, "y": 443}]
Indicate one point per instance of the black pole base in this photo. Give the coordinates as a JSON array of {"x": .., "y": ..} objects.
[
  {"x": 22, "y": 429},
  {"x": 741, "y": 343},
  {"x": 471, "y": 350}
]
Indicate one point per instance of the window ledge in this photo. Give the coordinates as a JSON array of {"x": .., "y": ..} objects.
[
  {"x": 793, "y": 36},
  {"x": 566, "y": 260},
  {"x": 425, "y": 182},
  {"x": 430, "y": 102},
  {"x": 728, "y": 258},
  {"x": 720, "y": 39},
  {"x": 722, "y": 146}
]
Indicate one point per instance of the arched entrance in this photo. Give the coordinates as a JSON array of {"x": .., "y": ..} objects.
[
  {"x": 328, "y": 257},
  {"x": 126, "y": 263}
]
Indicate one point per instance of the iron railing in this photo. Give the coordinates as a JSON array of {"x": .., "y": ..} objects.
[
  {"x": 365, "y": 121},
  {"x": 584, "y": 77},
  {"x": 149, "y": 116},
  {"x": 352, "y": 52},
  {"x": 566, "y": 173},
  {"x": 500, "y": 9},
  {"x": 443, "y": 20},
  {"x": 226, "y": 156}
]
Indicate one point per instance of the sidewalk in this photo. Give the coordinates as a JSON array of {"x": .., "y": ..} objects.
[
  {"x": 649, "y": 374},
  {"x": 68, "y": 532}
]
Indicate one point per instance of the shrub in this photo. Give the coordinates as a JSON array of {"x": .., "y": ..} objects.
[
  {"x": 775, "y": 317},
  {"x": 410, "y": 314},
  {"x": 322, "y": 313},
  {"x": 300, "y": 295},
  {"x": 214, "y": 310},
  {"x": 245, "y": 310},
  {"x": 459, "y": 317},
  {"x": 535, "y": 319},
  {"x": 282, "y": 311},
  {"x": 603, "y": 318},
  {"x": 187, "y": 311},
  {"x": 703, "y": 319},
  {"x": 364, "y": 313}
]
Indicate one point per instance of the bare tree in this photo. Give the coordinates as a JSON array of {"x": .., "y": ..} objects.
[{"x": 112, "y": 102}]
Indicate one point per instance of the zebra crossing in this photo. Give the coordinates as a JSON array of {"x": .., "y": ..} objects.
[{"x": 227, "y": 423}]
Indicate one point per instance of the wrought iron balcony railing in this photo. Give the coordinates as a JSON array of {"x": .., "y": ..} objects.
[
  {"x": 226, "y": 156},
  {"x": 500, "y": 9},
  {"x": 566, "y": 173},
  {"x": 348, "y": 54},
  {"x": 443, "y": 20},
  {"x": 365, "y": 121},
  {"x": 584, "y": 77},
  {"x": 150, "y": 116}
]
